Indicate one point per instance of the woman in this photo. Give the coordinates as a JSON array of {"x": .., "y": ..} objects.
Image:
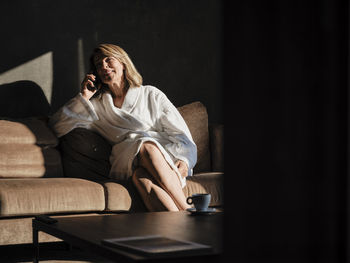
[{"x": 151, "y": 141}]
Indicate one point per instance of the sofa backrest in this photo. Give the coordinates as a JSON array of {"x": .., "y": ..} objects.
[
  {"x": 27, "y": 149},
  {"x": 196, "y": 117}
]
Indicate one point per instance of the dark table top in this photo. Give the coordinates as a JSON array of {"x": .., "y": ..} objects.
[{"x": 87, "y": 232}]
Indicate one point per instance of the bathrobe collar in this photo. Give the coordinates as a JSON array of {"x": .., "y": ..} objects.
[
  {"x": 123, "y": 115},
  {"x": 131, "y": 98},
  {"x": 129, "y": 102}
]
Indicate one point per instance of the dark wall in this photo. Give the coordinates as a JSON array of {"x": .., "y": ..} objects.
[
  {"x": 176, "y": 45},
  {"x": 287, "y": 147}
]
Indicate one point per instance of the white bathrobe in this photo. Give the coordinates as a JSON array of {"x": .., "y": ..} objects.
[{"x": 146, "y": 115}]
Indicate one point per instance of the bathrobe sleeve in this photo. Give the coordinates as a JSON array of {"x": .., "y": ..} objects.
[
  {"x": 76, "y": 113},
  {"x": 182, "y": 145}
]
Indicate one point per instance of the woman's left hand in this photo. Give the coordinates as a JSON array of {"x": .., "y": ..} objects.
[{"x": 182, "y": 166}]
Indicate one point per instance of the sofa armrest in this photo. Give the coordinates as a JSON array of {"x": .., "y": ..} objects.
[{"x": 216, "y": 137}]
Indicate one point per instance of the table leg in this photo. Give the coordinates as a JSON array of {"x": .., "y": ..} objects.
[
  {"x": 36, "y": 245},
  {"x": 69, "y": 247}
]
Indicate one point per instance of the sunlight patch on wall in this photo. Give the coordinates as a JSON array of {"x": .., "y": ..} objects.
[
  {"x": 38, "y": 70},
  {"x": 81, "y": 62}
]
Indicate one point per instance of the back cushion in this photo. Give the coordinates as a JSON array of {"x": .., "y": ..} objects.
[
  {"x": 27, "y": 149},
  {"x": 196, "y": 117},
  {"x": 27, "y": 131}
]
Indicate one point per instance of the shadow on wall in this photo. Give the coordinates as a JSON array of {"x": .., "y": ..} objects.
[{"x": 27, "y": 99}]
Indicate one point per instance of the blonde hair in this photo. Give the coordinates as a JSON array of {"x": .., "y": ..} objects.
[{"x": 131, "y": 74}]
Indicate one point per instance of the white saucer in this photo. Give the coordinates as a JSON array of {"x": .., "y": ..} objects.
[{"x": 193, "y": 211}]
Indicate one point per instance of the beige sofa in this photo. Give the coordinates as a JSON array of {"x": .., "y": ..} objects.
[{"x": 41, "y": 174}]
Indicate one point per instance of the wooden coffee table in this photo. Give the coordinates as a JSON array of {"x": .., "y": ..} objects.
[{"x": 87, "y": 232}]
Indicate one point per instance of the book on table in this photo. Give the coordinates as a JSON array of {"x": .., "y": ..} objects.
[{"x": 156, "y": 245}]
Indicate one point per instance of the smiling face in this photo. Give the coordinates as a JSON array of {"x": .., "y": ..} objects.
[
  {"x": 112, "y": 64},
  {"x": 109, "y": 69}
]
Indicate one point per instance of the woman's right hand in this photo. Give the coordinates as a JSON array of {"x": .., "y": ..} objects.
[{"x": 88, "y": 88}]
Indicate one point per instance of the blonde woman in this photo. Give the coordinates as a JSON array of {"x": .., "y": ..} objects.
[{"x": 151, "y": 141}]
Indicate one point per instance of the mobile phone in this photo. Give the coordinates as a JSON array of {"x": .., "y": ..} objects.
[{"x": 97, "y": 82}]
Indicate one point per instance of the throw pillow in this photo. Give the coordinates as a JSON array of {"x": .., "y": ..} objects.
[{"x": 85, "y": 154}]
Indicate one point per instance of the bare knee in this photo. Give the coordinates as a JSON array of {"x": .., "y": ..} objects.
[
  {"x": 147, "y": 150},
  {"x": 151, "y": 158}
]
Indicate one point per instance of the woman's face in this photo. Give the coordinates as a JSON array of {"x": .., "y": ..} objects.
[{"x": 109, "y": 69}]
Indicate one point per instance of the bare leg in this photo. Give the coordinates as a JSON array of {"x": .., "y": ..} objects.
[
  {"x": 154, "y": 197},
  {"x": 153, "y": 161}
]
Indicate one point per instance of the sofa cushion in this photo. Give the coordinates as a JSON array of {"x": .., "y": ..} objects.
[
  {"x": 211, "y": 182},
  {"x": 196, "y": 118},
  {"x": 122, "y": 195},
  {"x": 27, "y": 131},
  {"x": 27, "y": 149},
  {"x": 20, "y": 197},
  {"x": 117, "y": 196},
  {"x": 29, "y": 160}
]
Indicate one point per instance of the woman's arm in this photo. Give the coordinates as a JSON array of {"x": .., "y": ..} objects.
[{"x": 78, "y": 112}]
